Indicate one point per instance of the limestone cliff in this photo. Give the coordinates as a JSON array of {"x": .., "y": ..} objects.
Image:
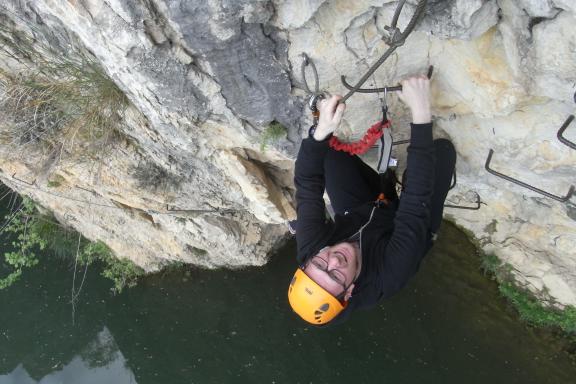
[{"x": 188, "y": 176}]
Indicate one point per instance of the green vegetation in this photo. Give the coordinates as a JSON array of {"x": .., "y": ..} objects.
[
  {"x": 56, "y": 181},
  {"x": 274, "y": 132},
  {"x": 66, "y": 107},
  {"x": 62, "y": 104},
  {"x": 26, "y": 243},
  {"x": 123, "y": 272},
  {"x": 530, "y": 309},
  {"x": 491, "y": 264},
  {"x": 34, "y": 232}
]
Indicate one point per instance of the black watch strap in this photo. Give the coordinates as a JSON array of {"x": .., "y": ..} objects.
[{"x": 312, "y": 130}]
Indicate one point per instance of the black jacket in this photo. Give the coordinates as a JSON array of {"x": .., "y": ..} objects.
[{"x": 393, "y": 239}]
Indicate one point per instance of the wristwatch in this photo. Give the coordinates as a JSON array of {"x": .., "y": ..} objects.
[{"x": 312, "y": 130}]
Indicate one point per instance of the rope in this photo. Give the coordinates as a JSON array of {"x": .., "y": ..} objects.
[{"x": 359, "y": 147}]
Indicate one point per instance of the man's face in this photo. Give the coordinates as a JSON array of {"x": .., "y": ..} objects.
[{"x": 335, "y": 267}]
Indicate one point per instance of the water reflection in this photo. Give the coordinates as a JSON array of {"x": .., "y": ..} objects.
[
  {"x": 100, "y": 362},
  {"x": 195, "y": 326}
]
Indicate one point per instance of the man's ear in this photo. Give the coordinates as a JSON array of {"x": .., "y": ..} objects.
[{"x": 348, "y": 294}]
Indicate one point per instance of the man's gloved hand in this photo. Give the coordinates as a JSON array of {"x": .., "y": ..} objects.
[
  {"x": 330, "y": 116},
  {"x": 416, "y": 95}
]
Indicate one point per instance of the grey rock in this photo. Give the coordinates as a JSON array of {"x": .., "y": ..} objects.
[
  {"x": 240, "y": 56},
  {"x": 460, "y": 19}
]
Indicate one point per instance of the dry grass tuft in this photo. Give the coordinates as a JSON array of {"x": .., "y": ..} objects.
[
  {"x": 63, "y": 103},
  {"x": 66, "y": 106}
]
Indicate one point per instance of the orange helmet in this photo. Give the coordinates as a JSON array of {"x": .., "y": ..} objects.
[{"x": 312, "y": 302}]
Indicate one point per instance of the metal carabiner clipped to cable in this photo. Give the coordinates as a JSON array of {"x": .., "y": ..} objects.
[
  {"x": 313, "y": 105},
  {"x": 307, "y": 62},
  {"x": 384, "y": 103},
  {"x": 395, "y": 39},
  {"x": 314, "y": 96}
]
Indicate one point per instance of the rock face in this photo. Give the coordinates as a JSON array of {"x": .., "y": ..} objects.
[{"x": 190, "y": 179}]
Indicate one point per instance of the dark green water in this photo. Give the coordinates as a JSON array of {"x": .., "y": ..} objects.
[{"x": 447, "y": 326}]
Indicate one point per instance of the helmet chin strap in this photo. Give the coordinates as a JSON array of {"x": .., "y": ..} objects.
[
  {"x": 356, "y": 245},
  {"x": 343, "y": 294}
]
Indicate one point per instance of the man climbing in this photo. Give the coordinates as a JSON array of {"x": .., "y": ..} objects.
[{"x": 375, "y": 243}]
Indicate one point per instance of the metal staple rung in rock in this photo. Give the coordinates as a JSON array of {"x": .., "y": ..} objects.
[
  {"x": 396, "y": 40},
  {"x": 562, "y": 139},
  {"x": 532, "y": 188}
]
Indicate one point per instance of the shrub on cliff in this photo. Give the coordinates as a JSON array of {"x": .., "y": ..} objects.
[
  {"x": 62, "y": 102},
  {"x": 34, "y": 233},
  {"x": 65, "y": 106},
  {"x": 273, "y": 132},
  {"x": 530, "y": 309}
]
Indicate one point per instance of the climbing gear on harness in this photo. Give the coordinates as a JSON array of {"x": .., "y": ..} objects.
[
  {"x": 361, "y": 146},
  {"x": 381, "y": 200},
  {"x": 312, "y": 302},
  {"x": 375, "y": 132},
  {"x": 394, "y": 40},
  {"x": 292, "y": 226},
  {"x": 314, "y": 96},
  {"x": 307, "y": 62},
  {"x": 312, "y": 104},
  {"x": 386, "y": 141}
]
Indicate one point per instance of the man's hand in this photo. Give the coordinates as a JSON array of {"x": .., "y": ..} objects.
[
  {"x": 330, "y": 116},
  {"x": 415, "y": 94}
]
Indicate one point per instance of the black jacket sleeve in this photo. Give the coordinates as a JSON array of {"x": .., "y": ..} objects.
[
  {"x": 312, "y": 225},
  {"x": 409, "y": 241}
]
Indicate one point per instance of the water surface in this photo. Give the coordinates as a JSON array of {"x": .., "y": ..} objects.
[{"x": 194, "y": 326}]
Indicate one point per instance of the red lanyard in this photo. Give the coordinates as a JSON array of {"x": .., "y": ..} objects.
[{"x": 361, "y": 146}]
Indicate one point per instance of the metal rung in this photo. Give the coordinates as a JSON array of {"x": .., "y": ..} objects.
[
  {"x": 477, "y": 207},
  {"x": 562, "y": 139},
  {"x": 23, "y": 181},
  {"x": 505, "y": 177}
]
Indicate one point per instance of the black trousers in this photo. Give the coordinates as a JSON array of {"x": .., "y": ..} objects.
[{"x": 350, "y": 182}]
